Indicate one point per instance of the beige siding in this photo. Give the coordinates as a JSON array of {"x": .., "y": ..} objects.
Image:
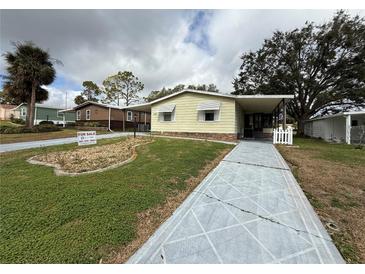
[{"x": 186, "y": 115}]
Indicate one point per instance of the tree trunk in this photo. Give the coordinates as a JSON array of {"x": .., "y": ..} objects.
[
  {"x": 31, "y": 107},
  {"x": 27, "y": 115},
  {"x": 301, "y": 122}
]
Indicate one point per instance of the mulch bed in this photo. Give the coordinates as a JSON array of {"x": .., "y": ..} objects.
[{"x": 91, "y": 159}]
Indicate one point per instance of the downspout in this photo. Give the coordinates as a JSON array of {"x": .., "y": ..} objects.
[
  {"x": 109, "y": 121},
  {"x": 35, "y": 115}
]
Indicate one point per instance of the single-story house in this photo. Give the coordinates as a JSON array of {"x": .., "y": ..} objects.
[
  {"x": 215, "y": 115},
  {"x": 7, "y": 112},
  {"x": 46, "y": 113},
  {"x": 345, "y": 127},
  {"x": 112, "y": 117}
]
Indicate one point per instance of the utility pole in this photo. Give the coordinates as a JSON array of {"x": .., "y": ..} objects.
[{"x": 66, "y": 101}]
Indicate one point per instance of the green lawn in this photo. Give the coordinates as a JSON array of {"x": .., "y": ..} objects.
[
  {"x": 340, "y": 153},
  {"x": 26, "y": 137},
  {"x": 50, "y": 219}
]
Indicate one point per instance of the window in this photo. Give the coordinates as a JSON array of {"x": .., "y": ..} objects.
[
  {"x": 129, "y": 115},
  {"x": 78, "y": 115},
  {"x": 88, "y": 114},
  {"x": 167, "y": 116},
  {"x": 354, "y": 123},
  {"x": 209, "y": 116},
  {"x": 23, "y": 111},
  {"x": 208, "y": 111}
]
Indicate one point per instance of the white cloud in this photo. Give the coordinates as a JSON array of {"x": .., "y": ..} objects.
[
  {"x": 93, "y": 44},
  {"x": 61, "y": 98}
]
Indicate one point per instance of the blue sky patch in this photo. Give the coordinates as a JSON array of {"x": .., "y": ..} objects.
[
  {"x": 198, "y": 33},
  {"x": 65, "y": 84}
]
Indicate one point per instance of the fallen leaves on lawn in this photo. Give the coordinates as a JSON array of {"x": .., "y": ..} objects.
[{"x": 336, "y": 191}]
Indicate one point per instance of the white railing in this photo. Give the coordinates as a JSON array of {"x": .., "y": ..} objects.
[{"x": 281, "y": 136}]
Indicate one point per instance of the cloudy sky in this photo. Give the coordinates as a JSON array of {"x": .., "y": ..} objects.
[{"x": 161, "y": 47}]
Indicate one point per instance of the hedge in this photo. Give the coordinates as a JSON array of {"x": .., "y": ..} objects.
[{"x": 4, "y": 129}]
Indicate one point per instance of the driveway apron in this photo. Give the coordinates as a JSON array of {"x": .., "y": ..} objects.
[{"x": 249, "y": 209}]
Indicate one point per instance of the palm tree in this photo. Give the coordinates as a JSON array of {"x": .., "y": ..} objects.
[{"x": 29, "y": 67}]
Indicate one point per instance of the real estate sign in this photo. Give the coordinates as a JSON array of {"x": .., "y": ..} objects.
[{"x": 86, "y": 138}]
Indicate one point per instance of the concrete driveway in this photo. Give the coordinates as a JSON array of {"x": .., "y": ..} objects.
[
  {"x": 249, "y": 209},
  {"x": 60, "y": 141}
]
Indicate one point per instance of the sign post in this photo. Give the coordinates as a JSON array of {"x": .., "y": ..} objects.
[{"x": 86, "y": 138}]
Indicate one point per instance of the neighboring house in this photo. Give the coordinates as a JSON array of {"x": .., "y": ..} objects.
[
  {"x": 6, "y": 112},
  {"x": 216, "y": 115},
  {"x": 46, "y": 113},
  {"x": 112, "y": 117},
  {"x": 343, "y": 127}
]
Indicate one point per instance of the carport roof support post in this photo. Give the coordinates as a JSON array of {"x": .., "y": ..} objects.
[
  {"x": 348, "y": 129},
  {"x": 284, "y": 114}
]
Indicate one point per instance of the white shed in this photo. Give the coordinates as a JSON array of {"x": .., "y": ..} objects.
[{"x": 345, "y": 127}]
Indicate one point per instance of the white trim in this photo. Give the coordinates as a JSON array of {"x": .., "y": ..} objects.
[
  {"x": 88, "y": 111},
  {"x": 131, "y": 119},
  {"x": 97, "y": 104},
  {"x": 338, "y": 115},
  {"x": 23, "y": 112},
  {"x": 78, "y": 115},
  {"x": 37, "y": 105},
  {"x": 216, "y": 94}
]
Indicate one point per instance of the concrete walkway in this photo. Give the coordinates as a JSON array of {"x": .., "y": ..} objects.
[
  {"x": 60, "y": 141},
  {"x": 249, "y": 209}
]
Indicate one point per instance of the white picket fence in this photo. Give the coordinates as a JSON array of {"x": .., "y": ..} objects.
[{"x": 281, "y": 136}]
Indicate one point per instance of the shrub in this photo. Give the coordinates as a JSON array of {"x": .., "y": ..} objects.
[
  {"x": 92, "y": 124},
  {"x": 3, "y": 128},
  {"x": 39, "y": 128},
  {"x": 45, "y": 128},
  {"x": 46, "y": 123},
  {"x": 17, "y": 121},
  {"x": 70, "y": 124},
  {"x": 11, "y": 130}
]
